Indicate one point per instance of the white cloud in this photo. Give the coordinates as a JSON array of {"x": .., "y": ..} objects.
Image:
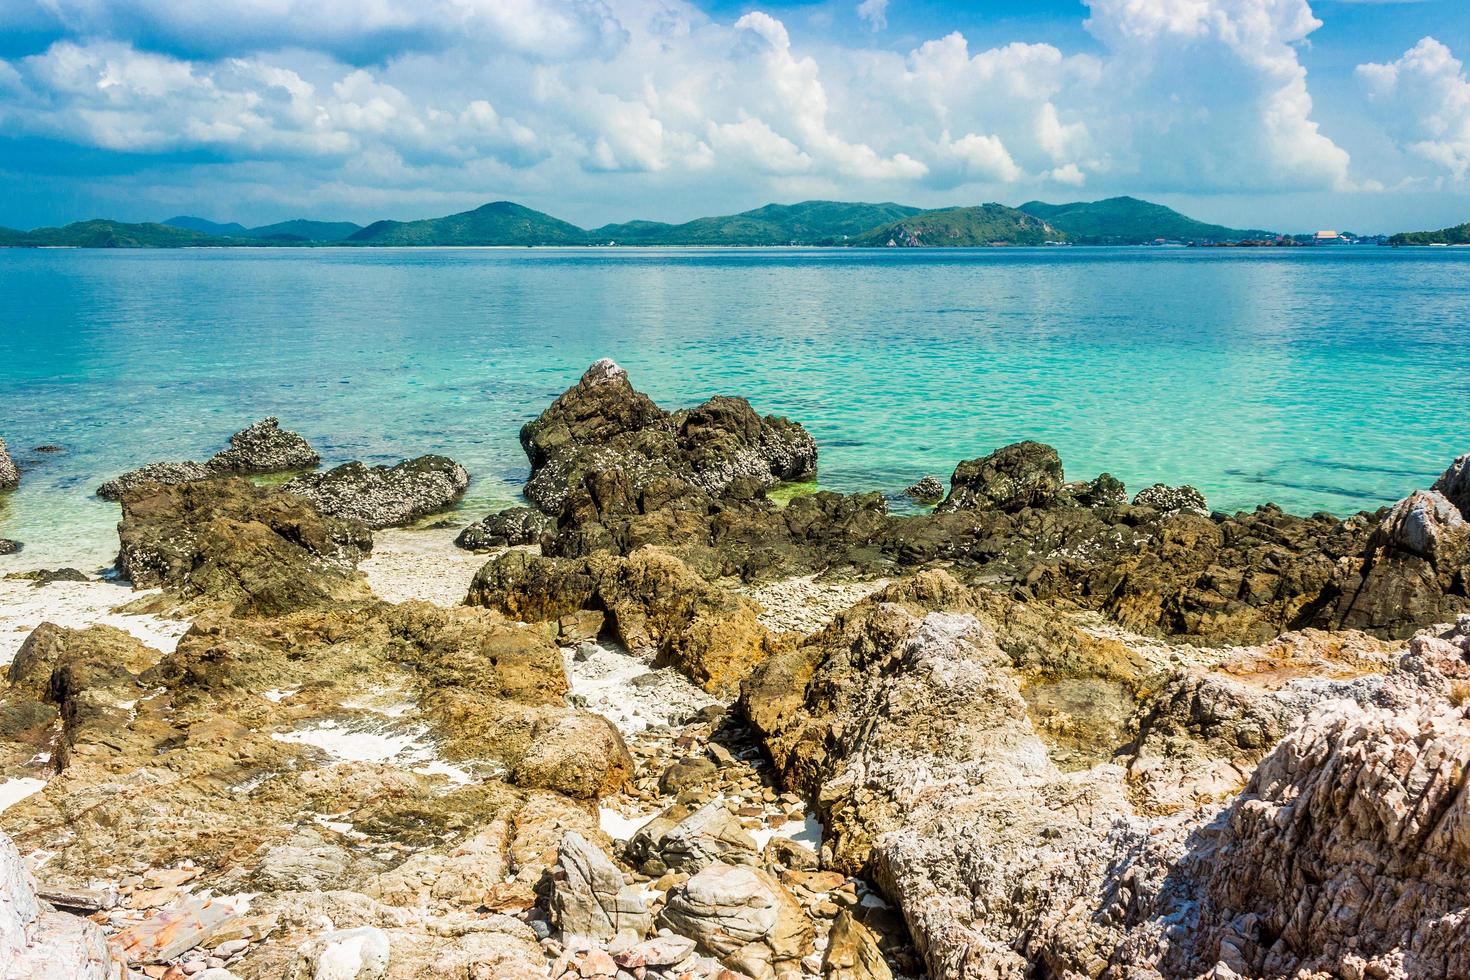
[
  {"x": 874, "y": 13},
  {"x": 437, "y": 98},
  {"x": 1424, "y": 101}
]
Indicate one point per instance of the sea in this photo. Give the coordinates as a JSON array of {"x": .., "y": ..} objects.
[{"x": 1319, "y": 379}]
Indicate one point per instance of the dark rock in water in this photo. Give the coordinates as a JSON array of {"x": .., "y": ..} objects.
[
  {"x": 1171, "y": 500},
  {"x": 260, "y": 448},
  {"x": 602, "y": 428},
  {"x": 1026, "y": 474},
  {"x": 384, "y": 496},
  {"x": 265, "y": 447},
  {"x": 513, "y": 526},
  {"x": 168, "y": 474},
  {"x": 9, "y": 547},
  {"x": 228, "y": 542},
  {"x": 45, "y": 576},
  {"x": 928, "y": 490},
  {"x": 49, "y": 448},
  {"x": 9, "y": 475},
  {"x": 1105, "y": 490}
]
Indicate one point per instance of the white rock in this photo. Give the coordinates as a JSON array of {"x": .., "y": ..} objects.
[{"x": 347, "y": 954}]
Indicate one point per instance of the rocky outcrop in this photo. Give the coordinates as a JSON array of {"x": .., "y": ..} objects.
[
  {"x": 229, "y": 542},
  {"x": 741, "y": 917},
  {"x": 1027, "y": 474},
  {"x": 40, "y": 943},
  {"x": 384, "y": 496},
  {"x": 9, "y": 474},
  {"x": 590, "y": 902},
  {"x": 510, "y": 527},
  {"x": 650, "y": 600},
  {"x": 928, "y": 490},
  {"x": 1171, "y": 500},
  {"x": 263, "y": 447}
]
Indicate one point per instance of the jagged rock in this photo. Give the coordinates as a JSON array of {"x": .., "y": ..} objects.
[
  {"x": 38, "y": 943},
  {"x": 346, "y": 954},
  {"x": 928, "y": 490},
  {"x": 589, "y": 899},
  {"x": 513, "y": 526},
  {"x": 1454, "y": 483},
  {"x": 1171, "y": 500},
  {"x": 742, "y": 917},
  {"x": 1104, "y": 490},
  {"x": 853, "y": 952},
  {"x": 384, "y": 496},
  {"x": 9, "y": 474},
  {"x": 602, "y": 427},
  {"x": 162, "y": 473},
  {"x": 226, "y": 541},
  {"x": 709, "y": 835},
  {"x": 9, "y": 547},
  {"x": 651, "y": 600},
  {"x": 264, "y": 447},
  {"x": 1026, "y": 474},
  {"x": 1425, "y": 523}
]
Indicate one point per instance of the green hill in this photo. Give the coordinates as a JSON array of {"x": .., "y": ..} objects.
[
  {"x": 111, "y": 234},
  {"x": 807, "y": 223},
  {"x": 304, "y": 230},
  {"x": 1458, "y": 235},
  {"x": 500, "y": 223},
  {"x": 988, "y": 224},
  {"x": 1129, "y": 221},
  {"x": 231, "y": 229}
]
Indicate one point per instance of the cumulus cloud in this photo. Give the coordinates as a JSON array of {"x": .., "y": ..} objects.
[
  {"x": 419, "y": 99},
  {"x": 1424, "y": 101}
]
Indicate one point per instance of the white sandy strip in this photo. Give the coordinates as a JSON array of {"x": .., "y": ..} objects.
[
  {"x": 77, "y": 605},
  {"x": 12, "y": 791},
  {"x": 421, "y": 564},
  {"x": 603, "y": 683},
  {"x": 402, "y": 747},
  {"x": 809, "y": 833},
  {"x": 621, "y": 827}
]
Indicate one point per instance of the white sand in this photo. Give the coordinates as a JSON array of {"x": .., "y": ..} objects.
[
  {"x": 77, "y": 605},
  {"x": 421, "y": 564},
  {"x": 621, "y": 827},
  {"x": 12, "y": 791},
  {"x": 604, "y": 683},
  {"x": 809, "y": 833},
  {"x": 404, "y": 747}
]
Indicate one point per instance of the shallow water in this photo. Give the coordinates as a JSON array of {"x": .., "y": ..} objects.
[{"x": 1323, "y": 379}]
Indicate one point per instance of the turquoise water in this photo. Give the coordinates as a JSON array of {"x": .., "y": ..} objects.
[{"x": 1324, "y": 379}]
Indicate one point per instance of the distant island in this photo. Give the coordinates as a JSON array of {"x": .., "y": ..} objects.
[
  {"x": 1458, "y": 235},
  {"x": 1115, "y": 221}
]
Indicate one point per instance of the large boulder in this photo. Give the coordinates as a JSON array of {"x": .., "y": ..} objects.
[
  {"x": 743, "y": 918},
  {"x": 39, "y": 943},
  {"x": 1454, "y": 483},
  {"x": 1427, "y": 524},
  {"x": 384, "y": 496},
  {"x": 590, "y": 900},
  {"x": 265, "y": 447},
  {"x": 1171, "y": 500},
  {"x": 509, "y": 527},
  {"x": 262, "y": 447},
  {"x": 232, "y": 543},
  {"x": 9, "y": 475},
  {"x": 651, "y": 600},
  {"x": 1026, "y": 474}
]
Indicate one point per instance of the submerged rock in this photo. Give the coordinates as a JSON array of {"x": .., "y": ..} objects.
[
  {"x": 9, "y": 547},
  {"x": 929, "y": 490},
  {"x": 227, "y": 541},
  {"x": 513, "y": 526},
  {"x": 384, "y": 496},
  {"x": 9, "y": 474},
  {"x": 167, "y": 474}
]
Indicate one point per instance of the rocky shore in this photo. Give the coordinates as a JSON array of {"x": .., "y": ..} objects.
[{"x": 657, "y": 724}]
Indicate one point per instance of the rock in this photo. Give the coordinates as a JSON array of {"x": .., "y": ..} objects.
[
  {"x": 346, "y": 954},
  {"x": 928, "y": 490},
  {"x": 384, "y": 496},
  {"x": 215, "y": 973},
  {"x": 48, "y": 448},
  {"x": 264, "y": 447},
  {"x": 575, "y": 753},
  {"x": 9, "y": 547},
  {"x": 853, "y": 952},
  {"x": 1026, "y": 474},
  {"x": 742, "y": 917},
  {"x": 166, "y": 474},
  {"x": 651, "y": 599},
  {"x": 786, "y": 853},
  {"x": 513, "y": 526},
  {"x": 686, "y": 773},
  {"x": 1171, "y": 500},
  {"x": 589, "y": 900},
  {"x": 9, "y": 474},
  {"x": 40, "y": 944},
  {"x": 1425, "y": 523},
  {"x": 1104, "y": 490},
  {"x": 659, "y": 951},
  {"x": 226, "y": 541},
  {"x": 46, "y": 576},
  {"x": 1454, "y": 484},
  {"x": 711, "y": 834}
]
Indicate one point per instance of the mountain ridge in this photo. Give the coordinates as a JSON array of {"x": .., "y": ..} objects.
[{"x": 1130, "y": 221}]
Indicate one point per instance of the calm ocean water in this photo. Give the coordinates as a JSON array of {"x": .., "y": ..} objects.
[{"x": 1324, "y": 379}]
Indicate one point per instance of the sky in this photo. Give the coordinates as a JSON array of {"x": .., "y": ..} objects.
[{"x": 1294, "y": 115}]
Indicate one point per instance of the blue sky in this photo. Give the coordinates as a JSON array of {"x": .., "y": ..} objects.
[{"x": 1293, "y": 114}]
